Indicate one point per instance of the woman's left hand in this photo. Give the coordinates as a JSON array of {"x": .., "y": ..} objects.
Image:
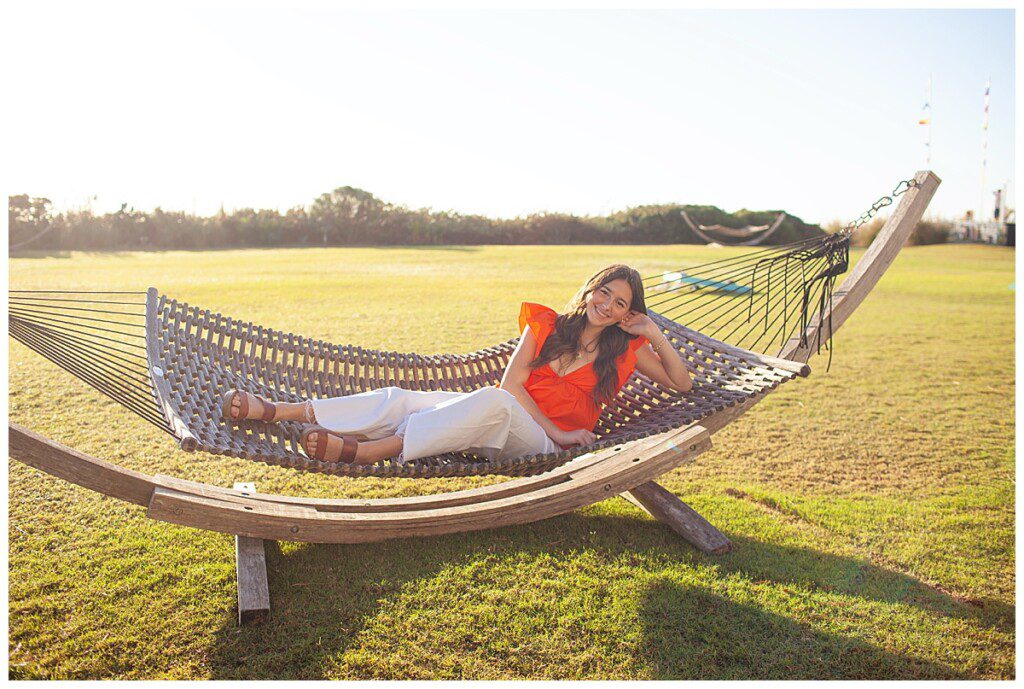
[{"x": 637, "y": 324}]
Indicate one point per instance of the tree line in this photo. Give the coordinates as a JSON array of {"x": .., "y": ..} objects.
[{"x": 349, "y": 216}]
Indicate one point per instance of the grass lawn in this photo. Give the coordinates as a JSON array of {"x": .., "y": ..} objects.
[{"x": 872, "y": 506}]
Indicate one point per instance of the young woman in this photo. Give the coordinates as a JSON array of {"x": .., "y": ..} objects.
[{"x": 565, "y": 368}]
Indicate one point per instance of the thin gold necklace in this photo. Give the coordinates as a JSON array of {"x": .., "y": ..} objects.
[{"x": 579, "y": 353}]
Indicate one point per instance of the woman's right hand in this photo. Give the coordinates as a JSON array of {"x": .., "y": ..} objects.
[{"x": 578, "y": 437}]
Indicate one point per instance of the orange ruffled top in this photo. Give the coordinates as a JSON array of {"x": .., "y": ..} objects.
[{"x": 568, "y": 400}]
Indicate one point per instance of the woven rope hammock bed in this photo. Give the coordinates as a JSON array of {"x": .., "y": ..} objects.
[{"x": 171, "y": 361}]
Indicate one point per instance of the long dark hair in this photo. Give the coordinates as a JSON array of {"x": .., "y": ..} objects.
[{"x": 612, "y": 342}]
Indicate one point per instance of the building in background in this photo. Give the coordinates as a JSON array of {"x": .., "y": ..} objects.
[{"x": 1000, "y": 229}]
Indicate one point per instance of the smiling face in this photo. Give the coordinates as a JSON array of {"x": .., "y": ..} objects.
[{"x": 609, "y": 303}]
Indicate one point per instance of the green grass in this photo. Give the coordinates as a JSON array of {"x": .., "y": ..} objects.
[{"x": 872, "y": 506}]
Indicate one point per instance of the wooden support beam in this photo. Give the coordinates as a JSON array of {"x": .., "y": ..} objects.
[
  {"x": 35, "y": 450},
  {"x": 664, "y": 506},
  {"x": 251, "y": 572},
  {"x": 635, "y": 463}
]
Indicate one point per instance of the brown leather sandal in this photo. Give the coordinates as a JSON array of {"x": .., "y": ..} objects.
[
  {"x": 323, "y": 449},
  {"x": 246, "y": 406}
]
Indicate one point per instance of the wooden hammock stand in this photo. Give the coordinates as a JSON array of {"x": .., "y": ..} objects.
[{"x": 628, "y": 469}]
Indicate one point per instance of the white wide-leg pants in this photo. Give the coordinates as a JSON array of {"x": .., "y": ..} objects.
[{"x": 489, "y": 421}]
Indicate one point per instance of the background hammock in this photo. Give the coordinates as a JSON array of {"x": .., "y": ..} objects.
[
  {"x": 170, "y": 362},
  {"x": 751, "y": 235}
]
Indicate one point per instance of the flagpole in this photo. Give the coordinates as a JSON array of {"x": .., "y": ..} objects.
[
  {"x": 984, "y": 152},
  {"x": 926, "y": 119},
  {"x": 928, "y": 165}
]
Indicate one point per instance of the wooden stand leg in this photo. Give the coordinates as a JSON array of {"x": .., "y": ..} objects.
[
  {"x": 251, "y": 570},
  {"x": 664, "y": 506}
]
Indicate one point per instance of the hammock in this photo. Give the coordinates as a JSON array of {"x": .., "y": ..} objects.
[
  {"x": 169, "y": 362},
  {"x": 735, "y": 232},
  {"x": 745, "y": 233},
  {"x": 191, "y": 356}
]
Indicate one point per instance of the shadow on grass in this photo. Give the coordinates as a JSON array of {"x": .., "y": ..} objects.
[
  {"x": 473, "y": 248},
  {"x": 66, "y": 253},
  {"x": 858, "y": 578},
  {"x": 692, "y": 634},
  {"x": 42, "y": 253},
  {"x": 323, "y": 596}
]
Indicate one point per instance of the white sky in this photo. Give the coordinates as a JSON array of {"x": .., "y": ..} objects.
[{"x": 503, "y": 112}]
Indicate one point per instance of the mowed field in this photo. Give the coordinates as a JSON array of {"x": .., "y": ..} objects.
[{"x": 872, "y": 506}]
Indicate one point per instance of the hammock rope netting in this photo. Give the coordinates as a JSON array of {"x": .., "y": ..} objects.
[{"x": 170, "y": 362}]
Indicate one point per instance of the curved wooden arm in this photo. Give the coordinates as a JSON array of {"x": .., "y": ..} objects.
[{"x": 869, "y": 270}]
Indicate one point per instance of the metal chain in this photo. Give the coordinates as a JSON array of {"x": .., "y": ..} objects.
[{"x": 900, "y": 188}]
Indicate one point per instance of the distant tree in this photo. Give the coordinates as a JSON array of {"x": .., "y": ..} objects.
[
  {"x": 25, "y": 209},
  {"x": 28, "y": 220},
  {"x": 344, "y": 214},
  {"x": 930, "y": 232},
  {"x": 349, "y": 215}
]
